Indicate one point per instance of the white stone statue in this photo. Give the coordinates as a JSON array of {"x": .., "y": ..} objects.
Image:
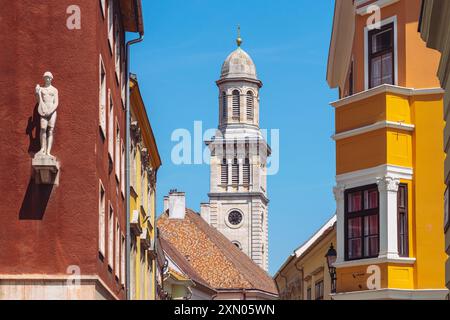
[{"x": 47, "y": 97}]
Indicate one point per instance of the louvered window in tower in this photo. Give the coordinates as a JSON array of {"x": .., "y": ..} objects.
[
  {"x": 235, "y": 172},
  {"x": 224, "y": 172},
  {"x": 236, "y": 104},
  {"x": 246, "y": 172},
  {"x": 250, "y": 105},
  {"x": 224, "y": 106}
]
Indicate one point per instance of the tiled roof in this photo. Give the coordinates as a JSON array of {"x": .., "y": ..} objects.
[
  {"x": 182, "y": 263},
  {"x": 214, "y": 258}
]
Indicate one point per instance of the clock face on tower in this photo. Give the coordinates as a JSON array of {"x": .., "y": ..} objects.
[{"x": 235, "y": 218}]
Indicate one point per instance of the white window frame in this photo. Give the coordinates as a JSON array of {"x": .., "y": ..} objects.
[
  {"x": 103, "y": 7},
  {"x": 102, "y": 219},
  {"x": 111, "y": 130},
  {"x": 124, "y": 84},
  {"x": 102, "y": 97},
  {"x": 117, "y": 249},
  {"x": 122, "y": 260},
  {"x": 117, "y": 151},
  {"x": 111, "y": 25},
  {"x": 117, "y": 51},
  {"x": 387, "y": 21},
  {"x": 110, "y": 236},
  {"x": 122, "y": 167}
]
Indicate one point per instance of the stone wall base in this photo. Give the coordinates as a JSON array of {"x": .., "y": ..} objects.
[{"x": 53, "y": 288}]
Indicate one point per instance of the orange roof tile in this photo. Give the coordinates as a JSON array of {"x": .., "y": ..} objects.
[{"x": 214, "y": 258}]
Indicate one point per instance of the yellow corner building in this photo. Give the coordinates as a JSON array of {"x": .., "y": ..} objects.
[
  {"x": 389, "y": 158},
  {"x": 144, "y": 164}
]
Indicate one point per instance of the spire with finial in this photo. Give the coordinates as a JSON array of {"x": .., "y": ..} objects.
[{"x": 239, "y": 39}]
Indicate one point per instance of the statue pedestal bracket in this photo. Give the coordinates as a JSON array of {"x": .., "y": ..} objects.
[{"x": 45, "y": 169}]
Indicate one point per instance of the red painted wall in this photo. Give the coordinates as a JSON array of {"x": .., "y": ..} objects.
[{"x": 45, "y": 229}]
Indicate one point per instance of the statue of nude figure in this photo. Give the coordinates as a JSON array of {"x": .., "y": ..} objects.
[{"x": 47, "y": 97}]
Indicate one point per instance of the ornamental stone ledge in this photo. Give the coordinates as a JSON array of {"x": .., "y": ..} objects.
[
  {"x": 45, "y": 169},
  {"x": 374, "y": 261}
]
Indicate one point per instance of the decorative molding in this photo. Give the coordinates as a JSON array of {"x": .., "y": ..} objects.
[
  {"x": 362, "y": 11},
  {"x": 386, "y": 88},
  {"x": 370, "y": 176},
  {"x": 374, "y": 261},
  {"x": 393, "y": 294},
  {"x": 388, "y": 184},
  {"x": 373, "y": 127}
]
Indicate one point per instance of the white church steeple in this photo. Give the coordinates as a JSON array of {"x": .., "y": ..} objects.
[{"x": 238, "y": 203}]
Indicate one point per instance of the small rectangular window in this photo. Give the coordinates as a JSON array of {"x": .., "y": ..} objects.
[
  {"x": 235, "y": 172},
  {"x": 224, "y": 172},
  {"x": 110, "y": 127},
  {"x": 117, "y": 250},
  {"x": 122, "y": 168},
  {"x": 117, "y": 51},
  {"x": 111, "y": 237},
  {"x": 117, "y": 152},
  {"x": 402, "y": 222},
  {"x": 102, "y": 98},
  {"x": 111, "y": 25},
  {"x": 246, "y": 172},
  {"x": 381, "y": 56},
  {"x": 319, "y": 290},
  {"x": 102, "y": 220},
  {"x": 122, "y": 261},
  {"x": 309, "y": 294},
  {"x": 351, "y": 80}
]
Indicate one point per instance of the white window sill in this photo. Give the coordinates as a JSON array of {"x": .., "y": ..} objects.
[{"x": 379, "y": 260}]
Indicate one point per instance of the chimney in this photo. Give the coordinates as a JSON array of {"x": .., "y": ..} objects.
[
  {"x": 177, "y": 205},
  {"x": 166, "y": 203},
  {"x": 204, "y": 211}
]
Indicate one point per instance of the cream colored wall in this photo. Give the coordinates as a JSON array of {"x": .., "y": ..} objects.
[{"x": 308, "y": 270}]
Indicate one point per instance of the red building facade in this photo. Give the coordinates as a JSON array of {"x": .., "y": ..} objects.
[{"x": 65, "y": 240}]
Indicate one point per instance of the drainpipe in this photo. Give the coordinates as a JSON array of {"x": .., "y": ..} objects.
[{"x": 127, "y": 152}]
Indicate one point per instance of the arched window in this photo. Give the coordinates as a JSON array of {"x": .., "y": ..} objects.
[
  {"x": 236, "y": 104},
  {"x": 224, "y": 105},
  {"x": 250, "y": 105},
  {"x": 224, "y": 172}
]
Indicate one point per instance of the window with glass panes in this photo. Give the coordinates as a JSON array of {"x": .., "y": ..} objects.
[
  {"x": 402, "y": 222},
  {"x": 381, "y": 56},
  {"x": 362, "y": 223},
  {"x": 319, "y": 290}
]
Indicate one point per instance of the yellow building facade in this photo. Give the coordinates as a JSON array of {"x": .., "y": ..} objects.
[
  {"x": 144, "y": 164},
  {"x": 305, "y": 274},
  {"x": 435, "y": 18},
  {"x": 389, "y": 157}
]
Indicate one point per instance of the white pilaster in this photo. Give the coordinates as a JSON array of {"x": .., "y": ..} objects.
[
  {"x": 388, "y": 188},
  {"x": 339, "y": 192}
]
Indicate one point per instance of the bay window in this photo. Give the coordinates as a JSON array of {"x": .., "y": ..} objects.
[{"x": 362, "y": 223}]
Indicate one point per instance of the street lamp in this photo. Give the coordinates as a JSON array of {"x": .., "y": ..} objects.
[{"x": 331, "y": 259}]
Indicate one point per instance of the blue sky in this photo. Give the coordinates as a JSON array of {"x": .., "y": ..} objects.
[{"x": 178, "y": 63}]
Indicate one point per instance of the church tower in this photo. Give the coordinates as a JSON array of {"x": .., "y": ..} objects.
[{"x": 238, "y": 203}]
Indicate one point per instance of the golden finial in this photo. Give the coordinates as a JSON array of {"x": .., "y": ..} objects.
[{"x": 239, "y": 39}]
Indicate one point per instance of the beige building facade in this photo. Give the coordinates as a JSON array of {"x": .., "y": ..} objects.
[{"x": 305, "y": 274}]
